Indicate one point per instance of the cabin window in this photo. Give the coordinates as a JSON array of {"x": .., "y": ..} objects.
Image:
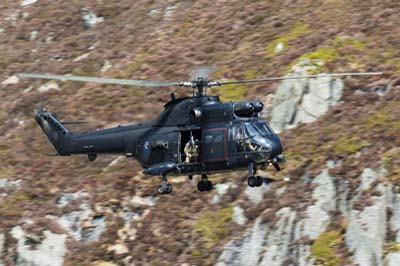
[
  {"x": 208, "y": 139},
  {"x": 219, "y": 139}
]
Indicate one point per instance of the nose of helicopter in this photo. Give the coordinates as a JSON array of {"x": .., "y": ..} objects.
[
  {"x": 270, "y": 144},
  {"x": 276, "y": 146}
]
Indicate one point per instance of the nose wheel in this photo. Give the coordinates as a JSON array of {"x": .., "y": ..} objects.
[
  {"x": 255, "y": 181},
  {"x": 204, "y": 184},
  {"x": 164, "y": 187}
]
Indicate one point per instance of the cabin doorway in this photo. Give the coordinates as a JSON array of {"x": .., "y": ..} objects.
[{"x": 186, "y": 136}]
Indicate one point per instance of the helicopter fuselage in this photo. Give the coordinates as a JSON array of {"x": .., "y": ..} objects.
[{"x": 228, "y": 136}]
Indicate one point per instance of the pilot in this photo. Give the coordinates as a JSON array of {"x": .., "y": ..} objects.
[
  {"x": 191, "y": 150},
  {"x": 244, "y": 143}
]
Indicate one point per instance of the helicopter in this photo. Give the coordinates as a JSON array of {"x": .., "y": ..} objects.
[{"x": 197, "y": 135}]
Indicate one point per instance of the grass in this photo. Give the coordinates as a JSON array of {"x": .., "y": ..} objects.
[
  {"x": 234, "y": 92},
  {"x": 11, "y": 206},
  {"x": 349, "y": 145},
  {"x": 341, "y": 47},
  {"x": 391, "y": 247},
  {"x": 298, "y": 30},
  {"x": 323, "y": 249},
  {"x": 213, "y": 225},
  {"x": 391, "y": 162}
]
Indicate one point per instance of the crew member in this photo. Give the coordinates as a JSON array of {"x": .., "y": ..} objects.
[{"x": 191, "y": 150}]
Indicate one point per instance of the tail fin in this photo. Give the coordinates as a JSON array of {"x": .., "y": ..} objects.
[{"x": 53, "y": 128}]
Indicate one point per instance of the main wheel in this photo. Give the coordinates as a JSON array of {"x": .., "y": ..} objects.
[
  {"x": 209, "y": 185},
  {"x": 252, "y": 181},
  {"x": 160, "y": 189},
  {"x": 202, "y": 186},
  {"x": 259, "y": 181},
  {"x": 169, "y": 189}
]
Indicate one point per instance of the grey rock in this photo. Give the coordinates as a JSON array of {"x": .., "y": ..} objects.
[
  {"x": 324, "y": 192},
  {"x": 395, "y": 221},
  {"x": 277, "y": 246},
  {"x": 28, "y": 2},
  {"x": 33, "y": 35},
  {"x": 72, "y": 221},
  {"x": 223, "y": 188},
  {"x": 97, "y": 226},
  {"x": 50, "y": 252},
  {"x": 245, "y": 250},
  {"x": 90, "y": 19},
  {"x": 154, "y": 12},
  {"x": 238, "y": 216},
  {"x": 317, "y": 215},
  {"x": 256, "y": 194},
  {"x": 7, "y": 183},
  {"x": 301, "y": 100},
  {"x": 316, "y": 222},
  {"x": 146, "y": 201},
  {"x": 368, "y": 176},
  {"x": 66, "y": 198},
  {"x": 283, "y": 114},
  {"x": 366, "y": 232},
  {"x": 1, "y": 248},
  {"x": 392, "y": 259}
]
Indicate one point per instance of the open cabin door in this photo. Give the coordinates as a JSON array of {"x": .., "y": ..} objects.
[{"x": 214, "y": 145}]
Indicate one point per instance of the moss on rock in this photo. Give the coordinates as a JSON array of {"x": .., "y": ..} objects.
[{"x": 323, "y": 249}]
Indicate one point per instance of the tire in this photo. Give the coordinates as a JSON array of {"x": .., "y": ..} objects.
[
  {"x": 209, "y": 185},
  {"x": 160, "y": 190},
  {"x": 169, "y": 189},
  {"x": 259, "y": 181},
  {"x": 251, "y": 181},
  {"x": 201, "y": 186}
]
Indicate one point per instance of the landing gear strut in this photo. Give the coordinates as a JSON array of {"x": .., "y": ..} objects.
[
  {"x": 165, "y": 187},
  {"x": 204, "y": 184},
  {"x": 254, "y": 181}
]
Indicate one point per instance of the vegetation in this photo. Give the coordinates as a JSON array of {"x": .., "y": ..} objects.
[
  {"x": 300, "y": 29},
  {"x": 214, "y": 225},
  {"x": 323, "y": 249},
  {"x": 346, "y": 48}
]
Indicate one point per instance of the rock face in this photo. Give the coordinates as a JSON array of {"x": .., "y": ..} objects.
[
  {"x": 49, "y": 252},
  {"x": 301, "y": 100},
  {"x": 278, "y": 242},
  {"x": 1, "y": 248},
  {"x": 81, "y": 224}
]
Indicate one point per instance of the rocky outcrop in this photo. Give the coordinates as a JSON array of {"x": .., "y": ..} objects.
[
  {"x": 81, "y": 224},
  {"x": 280, "y": 241},
  {"x": 1, "y": 248},
  {"x": 49, "y": 251},
  {"x": 301, "y": 100}
]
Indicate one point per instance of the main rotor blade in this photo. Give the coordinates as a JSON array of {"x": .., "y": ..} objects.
[
  {"x": 148, "y": 83},
  {"x": 217, "y": 83}
]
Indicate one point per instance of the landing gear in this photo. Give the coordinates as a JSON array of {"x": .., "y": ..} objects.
[
  {"x": 255, "y": 181},
  {"x": 204, "y": 184},
  {"x": 165, "y": 187}
]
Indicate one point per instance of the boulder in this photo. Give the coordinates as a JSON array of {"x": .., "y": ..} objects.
[{"x": 50, "y": 251}]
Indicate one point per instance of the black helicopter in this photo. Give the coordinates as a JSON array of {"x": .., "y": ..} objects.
[{"x": 197, "y": 135}]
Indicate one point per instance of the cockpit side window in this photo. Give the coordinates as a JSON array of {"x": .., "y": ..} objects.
[{"x": 236, "y": 132}]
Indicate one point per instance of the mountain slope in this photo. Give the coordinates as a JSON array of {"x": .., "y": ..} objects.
[{"x": 116, "y": 217}]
